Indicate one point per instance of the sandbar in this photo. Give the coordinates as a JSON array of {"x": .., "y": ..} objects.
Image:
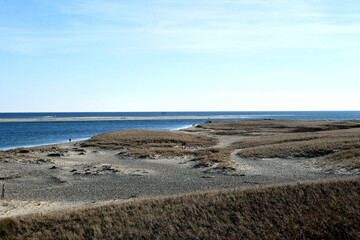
[{"x": 61, "y": 119}]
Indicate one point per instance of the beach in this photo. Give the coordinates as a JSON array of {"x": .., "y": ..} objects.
[{"x": 77, "y": 174}]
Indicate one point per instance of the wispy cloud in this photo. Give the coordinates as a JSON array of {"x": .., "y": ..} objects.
[{"x": 242, "y": 27}]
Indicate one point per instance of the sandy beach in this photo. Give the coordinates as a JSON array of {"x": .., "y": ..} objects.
[{"x": 53, "y": 177}]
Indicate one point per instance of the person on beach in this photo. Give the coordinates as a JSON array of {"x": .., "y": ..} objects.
[{"x": 69, "y": 139}]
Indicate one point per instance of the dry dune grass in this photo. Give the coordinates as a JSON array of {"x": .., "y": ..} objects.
[
  {"x": 160, "y": 151},
  {"x": 338, "y": 145},
  {"x": 31, "y": 154},
  {"x": 269, "y": 126},
  {"x": 317, "y": 210},
  {"x": 346, "y": 158},
  {"x": 211, "y": 156},
  {"x": 301, "y": 144},
  {"x": 39, "y": 149},
  {"x": 147, "y": 139},
  {"x": 206, "y": 157},
  {"x": 11, "y": 155},
  {"x": 150, "y": 143},
  {"x": 335, "y": 143}
]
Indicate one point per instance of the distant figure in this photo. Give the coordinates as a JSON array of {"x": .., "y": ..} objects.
[
  {"x": 69, "y": 139},
  {"x": 183, "y": 144}
]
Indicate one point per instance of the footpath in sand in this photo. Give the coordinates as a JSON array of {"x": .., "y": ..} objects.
[{"x": 50, "y": 178}]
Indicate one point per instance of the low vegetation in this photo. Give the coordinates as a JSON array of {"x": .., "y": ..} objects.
[
  {"x": 338, "y": 145},
  {"x": 334, "y": 144},
  {"x": 32, "y": 154},
  {"x": 346, "y": 158},
  {"x": 10, "y": 156},
  {"x": 154, "y": 152},
  {"x": 148, "y": 139},
  {"x": 313, "y": 210},
  {"x": 150, "y": 143},
  {"x": 276, "y": 126},
  {"x": 207, "y": 157},
  {"x": 213, "y": 157}
]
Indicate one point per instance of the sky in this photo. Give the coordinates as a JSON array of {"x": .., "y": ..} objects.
[{"x": 179, "y": 55}]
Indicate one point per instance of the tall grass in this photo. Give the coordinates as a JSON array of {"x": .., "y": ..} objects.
[{"x": 312, "y": 210}]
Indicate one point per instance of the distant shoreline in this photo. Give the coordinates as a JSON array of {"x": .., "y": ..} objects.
[{"x": 68, "y": 119}]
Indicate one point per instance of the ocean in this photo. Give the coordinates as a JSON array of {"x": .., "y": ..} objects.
[{"x": 26, "y": 134}]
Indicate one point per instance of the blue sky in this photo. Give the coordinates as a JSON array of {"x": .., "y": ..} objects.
[{"x": 105, "y": 55}]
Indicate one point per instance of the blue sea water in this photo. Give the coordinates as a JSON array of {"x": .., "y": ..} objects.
[{"x": 24, "y": 134}]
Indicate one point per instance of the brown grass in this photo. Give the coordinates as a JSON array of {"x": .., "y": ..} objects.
[
  {"x": 335, "y": 143},
  {"x": 30, "y": 155},
  {"x": 301, "y": 144},
  {"x": 346, "y": 158},
  {"x": 318, "y": 210},
  {"x": 147, "y": 139},
  {"x": 12, "y": 155},
  {"x": 261, "y": 126},
  {"x": 338, "y": 145},
  {"x": 41, "y": 149},
  {"x": 205, "y": 157},
  {"x": 209, "y": 157},
  {"x": 160, "y": 151},
  {"x": 163, "y": 143}
]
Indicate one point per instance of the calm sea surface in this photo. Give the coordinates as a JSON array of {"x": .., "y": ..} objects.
[{"x": 24, "y": 134}]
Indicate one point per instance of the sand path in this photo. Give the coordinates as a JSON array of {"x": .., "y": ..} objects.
[{"x": 272, "y": 169}]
